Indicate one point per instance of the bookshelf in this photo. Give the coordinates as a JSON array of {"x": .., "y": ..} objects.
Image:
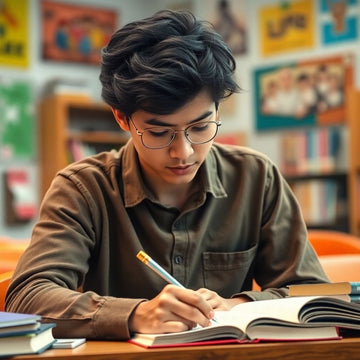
[
  {"x": 353, "y": 119},
  {"x": 314, "y": 164},
  {"x": 71, "y": 127},
  {"x": 345, "y": 173},
  {"x": 323, "y": 199}
]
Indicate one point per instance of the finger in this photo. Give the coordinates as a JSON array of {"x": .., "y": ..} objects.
[
  {"x": 175, "y": 326},
  {"x": 213, "y": 299},
  {"x": 176, "y": 318},
  {"x": 215, "y": 304},
  {"x": 178, "y": 304},
  {"x": 186, "y": 304},
  {"x": 191, "y": 313},
  {"x": 207, "y": 294}
]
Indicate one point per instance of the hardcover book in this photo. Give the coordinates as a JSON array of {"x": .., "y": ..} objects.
[
  {"x": 337, "y": 288},
  {"x": 14, "y": 319},
  {"x": 285, "y": 319},
  {"x": 30, "y": 343}
]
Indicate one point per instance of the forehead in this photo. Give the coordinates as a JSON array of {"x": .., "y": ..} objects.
[{"x": 202, "y": 106}]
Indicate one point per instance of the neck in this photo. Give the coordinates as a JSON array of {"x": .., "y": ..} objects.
[{"x": 173, "y": 195}]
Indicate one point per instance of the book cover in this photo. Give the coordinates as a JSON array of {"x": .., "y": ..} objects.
[
  {"x": 337, "y": 288},
  {"x": 13, "y": 319}
]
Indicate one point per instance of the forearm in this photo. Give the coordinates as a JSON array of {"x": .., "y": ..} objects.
[
  {"x": 267, "y": 294},
  {"x": 75, "y": 314}
]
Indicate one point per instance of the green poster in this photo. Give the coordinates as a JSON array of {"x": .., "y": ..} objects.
[{"x": 17, "y": 121}]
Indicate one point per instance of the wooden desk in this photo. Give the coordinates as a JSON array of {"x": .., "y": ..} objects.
[{"x": 346, "y": 349}]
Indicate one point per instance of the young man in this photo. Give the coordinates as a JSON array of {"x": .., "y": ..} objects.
[{"x": 215, "y": 217}]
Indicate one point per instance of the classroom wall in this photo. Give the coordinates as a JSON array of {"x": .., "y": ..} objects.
[{"x": 242, "y": 119}]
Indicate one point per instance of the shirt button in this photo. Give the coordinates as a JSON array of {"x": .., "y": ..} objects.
[{"x": 178, "y": 259}]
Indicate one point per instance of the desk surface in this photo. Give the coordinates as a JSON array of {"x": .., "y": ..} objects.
[{"x": 346, "y": 349}]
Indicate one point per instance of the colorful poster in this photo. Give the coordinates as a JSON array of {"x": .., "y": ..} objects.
[
  {"x": 20, "y": 197},
  {"x": 339, "y": 21},
  {"x": 288, "y": 26},
  {"x": 14, "y": 43},
  {"x": 303, "y": 93},
  {"x": 229, "y": 20},
  {"x": 75, "y": 33},
  {"x": 17, "y": 120}
]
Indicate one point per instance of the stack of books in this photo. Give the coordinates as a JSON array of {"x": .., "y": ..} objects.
[
  {"x": 24, "y": 334},
  {"x": 349, "y": 288}
]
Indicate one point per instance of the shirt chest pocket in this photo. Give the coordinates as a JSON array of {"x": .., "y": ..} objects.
[{"x": 225, "y": 273}]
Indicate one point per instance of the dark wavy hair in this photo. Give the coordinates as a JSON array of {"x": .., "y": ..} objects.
[{"x": 160, "y": 63}]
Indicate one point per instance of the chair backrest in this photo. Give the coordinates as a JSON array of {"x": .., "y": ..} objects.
[
  {"x": 341, "y": 267},
  {"x": 327, "y": 242},
  {"x": 5, "y": 279},
  {"x": 10, "y": 252}
]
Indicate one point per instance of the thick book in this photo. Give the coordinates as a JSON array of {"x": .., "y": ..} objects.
[
  {"x": 19, "y": 329},
  {"x": 14, "y": 319},
  {"x": 337, "y": 288},
  {"x": 31, "y": 343},
  {"x": 286, "y": 319}
]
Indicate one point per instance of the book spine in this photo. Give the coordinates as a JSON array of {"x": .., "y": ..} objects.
[
  {"x": 311, "y": 150},
  {"x": 355, "y": 298},
  {"x": 355, "y": 287}
]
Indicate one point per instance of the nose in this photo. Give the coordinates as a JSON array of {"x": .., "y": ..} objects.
[{"x": 180, "y": 148}]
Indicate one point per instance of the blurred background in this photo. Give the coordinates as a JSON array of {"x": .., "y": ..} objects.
[{"x": 297, "y": 63}]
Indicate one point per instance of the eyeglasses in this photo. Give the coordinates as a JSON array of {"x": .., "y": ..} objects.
[{"x": 159, "y": 137}]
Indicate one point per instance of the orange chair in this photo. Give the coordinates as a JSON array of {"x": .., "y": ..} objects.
[
  {"x": 4, "y": 284},
  {"x": 10, "y": 252},
  {"x": 326, "y": 242},
  {"x": 341, "y": 267},
  {"x": 338, "y": 252}
]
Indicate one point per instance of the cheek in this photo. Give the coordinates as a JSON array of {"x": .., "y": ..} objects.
[
  {"x": 203, "y": 150},
  {"x": 154, "y": 157},
  {"x": 150, "y": 156}
]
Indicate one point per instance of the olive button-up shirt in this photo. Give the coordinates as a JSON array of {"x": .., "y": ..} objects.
[{"x": 242, "y": 223}]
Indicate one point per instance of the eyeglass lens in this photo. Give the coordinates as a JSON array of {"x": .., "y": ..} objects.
[{"x": 199, "y": 133}]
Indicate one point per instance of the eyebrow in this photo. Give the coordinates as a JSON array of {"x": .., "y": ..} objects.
[{"x": 157, "y": 122}]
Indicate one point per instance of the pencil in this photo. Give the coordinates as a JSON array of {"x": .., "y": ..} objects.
[
  {"x": 147, "y": 260},
  {"x": 152, "y": 264}
]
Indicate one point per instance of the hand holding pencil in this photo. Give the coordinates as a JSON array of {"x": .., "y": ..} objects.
[{"x": 174, "y": 309}]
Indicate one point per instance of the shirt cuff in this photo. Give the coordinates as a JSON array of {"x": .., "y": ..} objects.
[{"x": 111, "y": 320}]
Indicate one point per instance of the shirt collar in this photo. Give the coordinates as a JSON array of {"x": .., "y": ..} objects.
[
  {"x": 211, "y": 180},
  {"x": 136, "y": 191}
]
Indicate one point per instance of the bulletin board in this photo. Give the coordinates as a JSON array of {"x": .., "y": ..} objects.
[{"x": 304, "y": 93}]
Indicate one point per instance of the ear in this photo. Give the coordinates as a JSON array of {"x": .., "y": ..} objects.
[{"x": 121, "y": 119}]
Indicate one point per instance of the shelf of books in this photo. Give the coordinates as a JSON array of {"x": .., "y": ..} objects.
[
  {"x": 73, "y": 127},
  {"x": 313, "y": 162}
]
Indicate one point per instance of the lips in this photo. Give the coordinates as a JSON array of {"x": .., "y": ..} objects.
[{"x": 181, "y": 170}]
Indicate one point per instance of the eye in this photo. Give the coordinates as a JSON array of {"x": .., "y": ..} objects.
[
  {"x": 200, "y": 127},
  {"x": 159, "y": 132}
]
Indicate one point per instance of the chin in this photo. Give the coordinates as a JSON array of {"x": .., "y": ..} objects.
[{"x": 180, "y": 180}]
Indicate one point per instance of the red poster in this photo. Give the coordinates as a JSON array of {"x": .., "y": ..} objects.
[{"x": 75, "y": 33}]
